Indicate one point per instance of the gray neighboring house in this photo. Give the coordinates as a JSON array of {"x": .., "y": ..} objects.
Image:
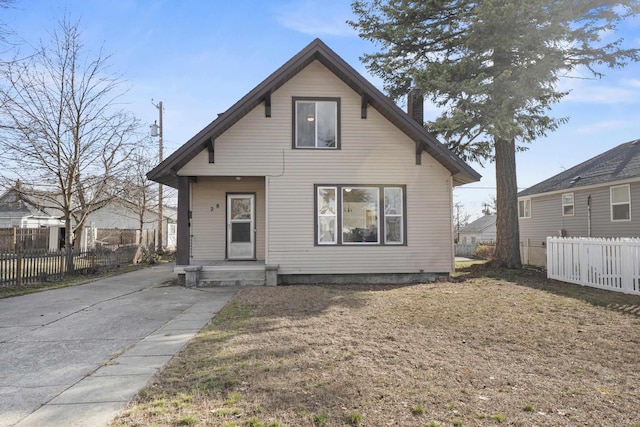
[
  {"x": 592, "y": 199},
  {"x": 481, "y": 230},
  {"x": 314, "y": 176},
  {"x": 19, "y": 210},
  {"x": 27, "y": 211}
]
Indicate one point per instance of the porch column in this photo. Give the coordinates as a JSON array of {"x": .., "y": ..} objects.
[{"x": 183, "y": 232}]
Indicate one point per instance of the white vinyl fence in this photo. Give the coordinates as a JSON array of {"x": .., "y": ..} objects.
[{"x": 612, "y": 264}]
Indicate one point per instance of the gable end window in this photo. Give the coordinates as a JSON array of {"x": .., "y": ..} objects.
[
  {"x": 360, "y": 215},
  {"x": 620, "y": 203},
  {"x": 316, "y": 123},
  {"x": 567, "y": 204},
  {"x": 524, "y": 208}
]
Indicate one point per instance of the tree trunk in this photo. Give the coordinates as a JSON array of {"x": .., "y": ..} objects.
[{"x": 507, "y": 254}]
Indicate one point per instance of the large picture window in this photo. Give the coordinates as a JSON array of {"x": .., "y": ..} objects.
[
  {"x": 316, "y": 123},
  {"x": 620, "y": 203},
  {"x": 360, "y": 215}
]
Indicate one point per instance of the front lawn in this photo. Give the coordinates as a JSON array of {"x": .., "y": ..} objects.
[{"x": 497, "y": 348}]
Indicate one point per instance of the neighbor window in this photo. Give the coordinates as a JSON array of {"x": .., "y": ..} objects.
[
  {"x": 567, "y": 204},
  {"x": 524, "y": 208},
  {"x": 367, "y": 215},
  {"x": 620, "y": 203},
  {"x": 316, "y": 123}
]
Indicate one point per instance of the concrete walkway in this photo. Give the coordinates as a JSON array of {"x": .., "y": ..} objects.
[{"x": 76, "y": 356}]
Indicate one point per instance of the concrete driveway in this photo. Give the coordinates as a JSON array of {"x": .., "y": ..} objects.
[{"x": 76, "y": 356}]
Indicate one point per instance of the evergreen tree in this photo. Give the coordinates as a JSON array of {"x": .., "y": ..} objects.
[{"x": 493, "y": 67}]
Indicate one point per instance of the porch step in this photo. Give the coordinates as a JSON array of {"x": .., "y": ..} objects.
[{"x": 228, "y": 276}]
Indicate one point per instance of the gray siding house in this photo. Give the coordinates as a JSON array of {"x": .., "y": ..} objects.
[
  {"x": 314, "y": 176},
  {"x": 481, "y": 230},
  {"x": 593, "y": 199},
  {"x": 21, "y": 211}
]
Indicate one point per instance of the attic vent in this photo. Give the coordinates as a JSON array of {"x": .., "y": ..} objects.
[{"x": 574, "y": 180}]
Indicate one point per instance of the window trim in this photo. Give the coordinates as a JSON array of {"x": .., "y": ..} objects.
[
  {"x": 572, "y": 204},
  {"x": 522, "y": 215},
  {"x": 612, "y": 204},
  {"x": 382, "y": 241},
  {"x": 294, "y": 128}
]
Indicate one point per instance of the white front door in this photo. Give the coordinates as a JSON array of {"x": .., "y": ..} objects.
[{"x": 241, "y": 226}]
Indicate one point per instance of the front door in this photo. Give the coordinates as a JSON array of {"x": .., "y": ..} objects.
[{"x": 241, "y": 226}]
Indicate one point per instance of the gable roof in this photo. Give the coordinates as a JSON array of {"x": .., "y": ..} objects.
[
  {"x": 479, "y": 225},
  {"x": 15, "y": 204},
  {"x": 619, "y": 163},
  {"x": 166, "y": 172}
]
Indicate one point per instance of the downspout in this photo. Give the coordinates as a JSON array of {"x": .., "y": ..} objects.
[{"x": 589, "y": 216}]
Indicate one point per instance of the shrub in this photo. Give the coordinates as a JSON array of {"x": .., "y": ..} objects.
[
  {"x": 485, "y": 251},
  {"x": 147, "y": 256}
]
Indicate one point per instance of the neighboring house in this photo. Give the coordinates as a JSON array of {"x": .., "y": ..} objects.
[
  {"x": 592, "y": 199},
  {"x": 123, "y": 215},
  {"x": 19, "y": 210},
  {"x": 481, "y": 230},
  {"x": 315, "y": 176}
]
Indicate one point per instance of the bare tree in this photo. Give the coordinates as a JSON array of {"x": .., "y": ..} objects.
[
  {"x": 140, "y": 193},
  {"x": 490, "y": 207},
  {"x": 64, "y": 134}
]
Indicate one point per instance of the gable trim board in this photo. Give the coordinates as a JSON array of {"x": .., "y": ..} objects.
[{"x": 254, "y": 152}]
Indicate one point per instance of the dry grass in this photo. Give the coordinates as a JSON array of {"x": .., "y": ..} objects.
[{"x": 498, "y": 348}]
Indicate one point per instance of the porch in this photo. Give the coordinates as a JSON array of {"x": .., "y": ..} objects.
[{"x": 207, "y": 273}]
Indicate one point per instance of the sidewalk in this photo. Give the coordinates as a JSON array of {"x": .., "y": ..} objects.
[{"x": 82, "y": 353}]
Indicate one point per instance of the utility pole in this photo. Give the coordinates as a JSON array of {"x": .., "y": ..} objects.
[{"x": 156, "y": 130}]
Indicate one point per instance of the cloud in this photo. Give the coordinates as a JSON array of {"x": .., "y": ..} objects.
[
  {"x": 316, "y": 17},
  {"x": 597, "y": 127},
  {"x": 604, "y": 95}
]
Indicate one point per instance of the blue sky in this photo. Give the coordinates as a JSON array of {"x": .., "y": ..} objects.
[{"x": 200, "y": 57}]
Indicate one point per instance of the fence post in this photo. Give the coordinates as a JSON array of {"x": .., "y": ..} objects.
[
  {"x": 19, "y": 266},
  {"x": 626, "y": 263}
]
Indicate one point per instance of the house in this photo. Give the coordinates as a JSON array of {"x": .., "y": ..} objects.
[
  {"x": 21, "y": 210},
  {"x": 592, "y": 199},
  {"x": 481, "y": 230},
  {"x": 121, "y": 214},
  {"x": 314, "y": 176}
]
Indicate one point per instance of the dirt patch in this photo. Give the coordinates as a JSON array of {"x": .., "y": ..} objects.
[{"x": 505, "y": 347}]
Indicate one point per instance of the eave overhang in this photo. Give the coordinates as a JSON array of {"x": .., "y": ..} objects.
[{"x": 167, "y": 171}]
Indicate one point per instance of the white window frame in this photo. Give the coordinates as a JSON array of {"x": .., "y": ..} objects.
[
  {"x": 566, "y": 204},
  {"x": 393, "y": 215},
  {"x": 315, "y": 102},
  {"x": 380, "y": 214},
  {"x": 525, "y": 211},
  {"x": 320, "y": 214},
  {"x": 627, "y": 202}
]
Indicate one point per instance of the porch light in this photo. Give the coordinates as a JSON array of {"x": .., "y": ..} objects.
[{"x": 310, "y": 118}]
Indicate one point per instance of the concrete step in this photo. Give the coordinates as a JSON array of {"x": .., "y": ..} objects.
[{"x": 219, "y": 276}]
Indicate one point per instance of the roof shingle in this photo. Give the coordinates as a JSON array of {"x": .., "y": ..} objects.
[{"x": 619, "y": 163}]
